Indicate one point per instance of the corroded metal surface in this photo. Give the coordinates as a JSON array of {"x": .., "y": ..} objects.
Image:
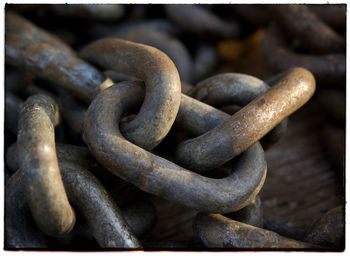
[
  {"x": 329, "y": 230},
  {"x": 46, "y": 56},
  {"x": 20, "y": 228},
  {"x": 157, "y": 175},
  {"x": 171, "y": 46},
  {"x": 42, "y": 180},
  {"x": 248, "y": 125},
  {"x": 21, "y": 231},
  {"x": 140, "y": 216},
  {"x": 252, "y": 214},
  {"x": 239, "y": 89},
  {"x": 217, "y": 231},
  {"x": 162, "y": 82},
  {"x": 103, "y": 216},
  {"x": 303, "y": 182}
]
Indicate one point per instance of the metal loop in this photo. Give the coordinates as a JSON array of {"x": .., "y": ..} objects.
[
  {"x": 217, "y": 231},
  {"x": 171, "y": 46},
  {"x": 252, "y": 214},
  {"x": 103, "y": 216},
  {"x": 20, "y": 228},
  {"x": 157, "y": 175},
  {"x": 46, "y": 56},
  {"x": 239, "y": 89},
  {"x": 162, "y": 82},
  {"x": 248, "y": 125},
  {"x": 43, "y": 185}
]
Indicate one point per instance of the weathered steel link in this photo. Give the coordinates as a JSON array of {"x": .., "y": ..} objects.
[
  {"x": 217, "y": 231},
  {"x": 229, "y": 88},
  {"x": 20, "y": 228},
  {"x": 91, "y": 199},
  {"x": 43, "y": 185},
  {"x": 46, "y": 56},
  {"x": 79, "y": 155},
  {"x": 171, "y": 46},
  {"x": 157, "y": 175},
  {"x": 88, "y": 196},
  {"x": 103, "y": 216},
  {"x": 248, "y": 125},
  {"x": 139, "y": 128},
  {"x": 198, "y": 20},
  {"x": 329, "y": 230},
  {"x": 140, "y": 216},
  {"x": 307, "y": 28},
  {"x": 18, "y": 28},
  {"x": 328, "y": 68},
  {"x": 162, "y": 82},
  {"x": 252, "y": 214},
  {"x": 239, "y": 89}
]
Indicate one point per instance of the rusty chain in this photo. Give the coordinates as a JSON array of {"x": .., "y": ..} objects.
[{"x": 50, "y": 185}]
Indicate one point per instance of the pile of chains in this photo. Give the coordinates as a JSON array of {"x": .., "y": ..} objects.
[{"x": 88, "y": 131}]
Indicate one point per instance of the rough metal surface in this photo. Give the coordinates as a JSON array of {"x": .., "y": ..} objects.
[
  {"x": 157, "y": 175},
  {"x": 248, "y": 125},
  {"x": 252, "y": 214},
  {"x": 198, "y": 20},
  {"x": 20, "y": 228},
  {"x": 103, "y": 216},
  {"x": 329, "y": 230},
  {"x": 140, "y": 215},
  {"x": 41, "y": 53},
  {"x": 328, "y": 68},
  {"x": 171, "y": 46},
  {"x": 42, "y": 180},
  {"x": 162, "y": 82},
  {"x": 310, "y": 31},
  {"x": 217, "y": 231},
  {"x": 239, "y": 89},
  {"x": 92, "y": 201}
]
